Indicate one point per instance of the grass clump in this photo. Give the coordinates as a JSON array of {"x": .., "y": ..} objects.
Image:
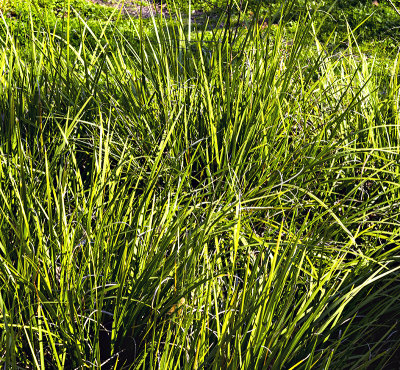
[{"x": 176, "y": 202}]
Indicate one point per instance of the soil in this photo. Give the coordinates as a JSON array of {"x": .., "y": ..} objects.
[
  {"x": 155, "y": 7},
  {"x": 132, "y": 7}
]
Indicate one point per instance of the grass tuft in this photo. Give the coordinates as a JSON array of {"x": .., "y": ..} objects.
[{"x": 169, "y": 200}]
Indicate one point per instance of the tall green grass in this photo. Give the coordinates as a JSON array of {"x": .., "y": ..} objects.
[{"x": 175, "y": 202}]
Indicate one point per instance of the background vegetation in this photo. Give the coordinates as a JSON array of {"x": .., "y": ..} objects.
[
  {"x": 173, "y": 198},
  {"x": 372, "y": 21}
]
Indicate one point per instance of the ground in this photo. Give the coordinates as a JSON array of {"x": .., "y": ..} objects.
[{"x": 134, "y": 7}]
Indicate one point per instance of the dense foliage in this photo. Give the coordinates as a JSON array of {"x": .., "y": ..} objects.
[
  {"x": 371, "y": 22},
  {"x": 177, "y": 199}
]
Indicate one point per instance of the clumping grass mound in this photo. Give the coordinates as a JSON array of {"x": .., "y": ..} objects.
[{"x": 178, "y": 201}]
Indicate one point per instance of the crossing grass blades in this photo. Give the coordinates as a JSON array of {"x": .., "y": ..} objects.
[{"x": 177, "y": 201}]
